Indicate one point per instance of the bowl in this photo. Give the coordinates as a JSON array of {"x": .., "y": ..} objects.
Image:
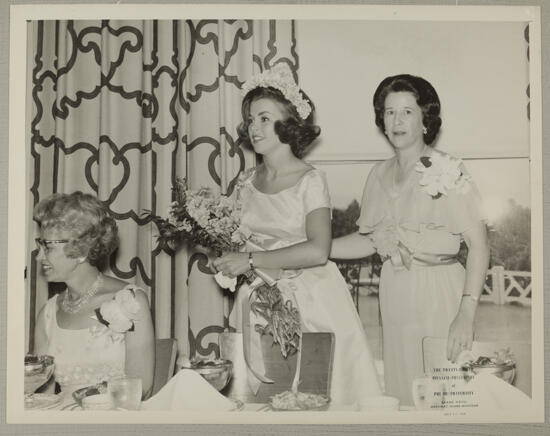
[
  {"x": 505, "y": 371},
  {"x": 217, "y": 372},
  {"x": 98, "y": 402},
  {"x": 38, "y": 370}
]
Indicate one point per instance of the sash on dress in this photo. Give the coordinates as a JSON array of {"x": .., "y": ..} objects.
[{"x": 405, "y": 257}]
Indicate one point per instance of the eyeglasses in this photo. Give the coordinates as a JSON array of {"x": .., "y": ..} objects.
[{"x": 45, "y": 243}]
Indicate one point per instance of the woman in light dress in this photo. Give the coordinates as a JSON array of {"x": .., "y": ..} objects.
[
  {"x": 416, "y": 209},
  {"x": 287, "y": 207},
  {"x": 77, "y": 234}
]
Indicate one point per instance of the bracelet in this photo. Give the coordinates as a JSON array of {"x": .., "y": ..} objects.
[
  {"x": 473, "y": 297},
  {"x": 250, "y": 260}
]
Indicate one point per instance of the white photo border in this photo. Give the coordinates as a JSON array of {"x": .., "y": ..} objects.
[{"x": 19, "y": 14}]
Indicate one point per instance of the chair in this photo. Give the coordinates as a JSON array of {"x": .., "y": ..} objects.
[
  {"x": 315, "y": 366},
  {"x": 165, "y": 361},
  {"x": 351, "y": 271},
  {"x": 434, "y": 352}
]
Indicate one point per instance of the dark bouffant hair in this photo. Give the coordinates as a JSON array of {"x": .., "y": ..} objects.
[
  {"x": 426, "y": 98},
  {"x": 294, "y": 131},
  {"x": 94, "y": 233}
]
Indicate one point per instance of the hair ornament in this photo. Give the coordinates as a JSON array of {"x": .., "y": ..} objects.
[{"x": 280, "y": 77}]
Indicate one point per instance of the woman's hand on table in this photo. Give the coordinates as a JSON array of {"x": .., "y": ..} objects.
[{"x": 461, "y": 333}]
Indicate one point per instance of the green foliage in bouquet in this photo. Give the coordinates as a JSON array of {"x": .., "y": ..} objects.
[{"x": 283, "y": 319}]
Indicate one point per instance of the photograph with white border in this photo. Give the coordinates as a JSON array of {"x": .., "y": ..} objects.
[{"x": 122, "y": 317}]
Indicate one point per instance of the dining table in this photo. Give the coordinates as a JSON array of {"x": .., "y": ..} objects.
[{"x": 188, "y": 391}]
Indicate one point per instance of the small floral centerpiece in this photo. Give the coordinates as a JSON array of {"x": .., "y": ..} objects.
[
  {"x": 117, "y": 315},
  {"x": 200, "y": 217},
  {"x": 502, "y": 365},
  {"x": 441, "y": 173}
]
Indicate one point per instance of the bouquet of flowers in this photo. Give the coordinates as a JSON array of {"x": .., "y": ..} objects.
[
  {"x": 201, "y": 218},
  {"x": 214, "y": 221}
]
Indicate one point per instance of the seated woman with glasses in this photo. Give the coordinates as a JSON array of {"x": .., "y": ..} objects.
[{"x": 99, "y": 327}]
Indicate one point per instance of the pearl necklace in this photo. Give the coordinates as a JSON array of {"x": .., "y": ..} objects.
[{"x": 75, "y": 305}]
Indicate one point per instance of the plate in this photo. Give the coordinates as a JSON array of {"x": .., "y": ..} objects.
[
  {"x": 322, "y": 408},
  {"x": 42, "y": 401},
  {"x": 297, "y": 402},
  {"x": 73, "y": 406}
]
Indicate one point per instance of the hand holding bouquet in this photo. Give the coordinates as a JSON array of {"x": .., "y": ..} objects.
[{"x": 200, "y": 217}]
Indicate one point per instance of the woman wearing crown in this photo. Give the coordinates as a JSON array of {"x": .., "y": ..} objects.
[{"x": 287, "y": 207}]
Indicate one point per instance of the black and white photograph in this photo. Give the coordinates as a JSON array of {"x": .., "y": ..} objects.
[{"x": 295, "y": 214}]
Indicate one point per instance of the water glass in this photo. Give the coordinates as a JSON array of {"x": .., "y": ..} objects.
[
  {"x": 125, "y": 392},
  {"x": 429, "y": 393}
]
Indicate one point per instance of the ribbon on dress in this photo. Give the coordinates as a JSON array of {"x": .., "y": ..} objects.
[
  {"x": 405, "y": 257},
  {"x": 252, "y": 347}
]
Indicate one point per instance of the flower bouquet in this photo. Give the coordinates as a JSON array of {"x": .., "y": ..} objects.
[{"x": 200, "y": 217}]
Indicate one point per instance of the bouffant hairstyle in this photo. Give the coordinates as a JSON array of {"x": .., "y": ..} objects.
[
  {"x": 94, "y": 233},
  {"x": 293, "y": 130},
  {"x": 426, "y": 98}
]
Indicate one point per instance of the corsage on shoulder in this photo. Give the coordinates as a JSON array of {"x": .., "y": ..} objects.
[
  {"x": 119, "y": 313},
  {"x": 441, "y": 173}
]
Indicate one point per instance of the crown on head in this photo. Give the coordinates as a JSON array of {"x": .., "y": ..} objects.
[{"x": 280, "y": 77}]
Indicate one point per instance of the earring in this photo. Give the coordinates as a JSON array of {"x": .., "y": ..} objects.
[
  {"x": 81, "y": 259},
  {"x": 425, "y": 130}
]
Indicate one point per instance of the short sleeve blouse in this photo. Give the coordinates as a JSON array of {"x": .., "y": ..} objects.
[{"x": 413, "y": 208}]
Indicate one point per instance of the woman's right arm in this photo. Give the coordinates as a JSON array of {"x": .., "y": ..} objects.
[{"x": 352, "y": 246}]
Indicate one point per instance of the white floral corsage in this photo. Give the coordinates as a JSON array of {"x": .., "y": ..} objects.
[
  {"x": 441, "y": 173},
  {"x": 120, "y": 313},
  {"x": 385, "y": 239}
]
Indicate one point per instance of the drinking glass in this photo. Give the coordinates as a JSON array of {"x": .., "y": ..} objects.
[
  {"x": 428, "y": 393},
  {"x": 125, "y": 392},
  {"x": 38, "y": 370}
]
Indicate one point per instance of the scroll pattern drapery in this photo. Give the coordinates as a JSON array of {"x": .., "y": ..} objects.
[{"x": 120, "y": 109}]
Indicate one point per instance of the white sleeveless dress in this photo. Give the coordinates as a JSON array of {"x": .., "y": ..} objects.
[{"x": 83, "y": 357}]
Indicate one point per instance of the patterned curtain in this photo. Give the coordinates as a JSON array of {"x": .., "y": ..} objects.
[{"x": 120, "y": 109}]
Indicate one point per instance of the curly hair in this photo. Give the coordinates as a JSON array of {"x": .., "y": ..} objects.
[
  {"x": 94, "y": 231},
  {"x": 293, "y": 130},
  {"x": 426, "y": 98}
]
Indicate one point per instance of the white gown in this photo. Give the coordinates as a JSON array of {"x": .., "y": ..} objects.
[
  {"x": 83, "y": 357},
  {"x": 322, "y": 296}
]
